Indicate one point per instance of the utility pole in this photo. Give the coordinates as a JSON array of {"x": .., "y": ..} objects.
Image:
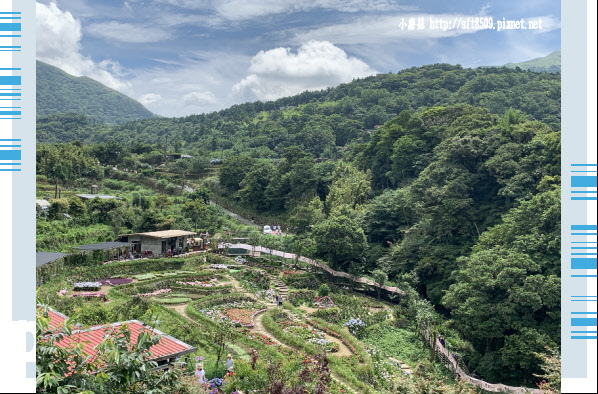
[{"x": 165, "y": 147}]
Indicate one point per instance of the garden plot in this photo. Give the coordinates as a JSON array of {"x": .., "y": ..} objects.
[
  {"x": 239, "y": 312},
  {"x": 309, "y": 335}
]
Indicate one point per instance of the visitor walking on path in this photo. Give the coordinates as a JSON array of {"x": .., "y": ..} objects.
[{"x": 229, "y": 362}]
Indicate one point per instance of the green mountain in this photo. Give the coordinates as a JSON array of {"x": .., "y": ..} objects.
[
  {"x": 550, "y": 63},
  {"x": 58, "y": 91}
]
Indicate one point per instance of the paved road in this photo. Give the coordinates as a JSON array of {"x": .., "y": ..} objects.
[
  {"x": 234, "y": 215},
  {"x": 240, "y": 218}
]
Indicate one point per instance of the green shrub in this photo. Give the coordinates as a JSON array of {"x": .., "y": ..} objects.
[
  {"x": 94, "y": 313},
  {"x": 324, "y": 290},
  {"x": 173, "y": 300}
]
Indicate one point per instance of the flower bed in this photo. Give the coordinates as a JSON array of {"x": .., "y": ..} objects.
[
  {"x": 239, "y": 312},
  {"x": 253, "y": 279},
  {"x": 308, "y": 334},
  {"x": 115, "y": 281},
  {"x": 154, "y": 293},
  {"x": 87, "y": 286},
  {"x": 256, "y": 336},
  {"x": 325, "y": 302},
  {"x": 89, "y": 296},
  {"x": 356, "y": 327},
  {"x": 332, "y": 334},
  {"x": 209, "y": 283},
  {"x": 220, "y": 266},
  {"x": 298, "y": 297},
  {"x": 267, "y": 295},
  {"x": 291, "y": 273}
]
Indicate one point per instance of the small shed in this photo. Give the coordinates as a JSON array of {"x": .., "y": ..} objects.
[
  {"x": 43, "y": 258},
  {"x": 44, "y": 204},
  {"x": 48, "y": 265},
  {"x": 158, "y": 243},
  {"x": 112, "y": 250}
]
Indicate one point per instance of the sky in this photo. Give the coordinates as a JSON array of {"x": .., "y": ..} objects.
[{"x": 183, "y": 57}]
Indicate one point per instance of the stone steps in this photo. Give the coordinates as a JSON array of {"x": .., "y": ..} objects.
[{"x": 281, "y": 288}]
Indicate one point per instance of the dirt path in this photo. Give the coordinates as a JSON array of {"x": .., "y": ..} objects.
[{"x": 308, "y": 309}]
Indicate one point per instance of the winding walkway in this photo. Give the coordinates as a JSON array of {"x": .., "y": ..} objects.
[
  {"x": 443, "y": 353},
  {"x": 315, "y": 263}
]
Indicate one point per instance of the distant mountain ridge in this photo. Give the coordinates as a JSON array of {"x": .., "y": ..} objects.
[
  {"x": 60, "y": 92},
  {"x": 550, "y": 63}
]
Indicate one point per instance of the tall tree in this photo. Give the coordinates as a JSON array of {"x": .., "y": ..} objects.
[{"x": 195, "y": 210}]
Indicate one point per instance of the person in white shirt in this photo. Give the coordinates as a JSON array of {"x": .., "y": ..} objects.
[
  {"x": 229, "y": 362},
  {"x": 201, "y": 374}
]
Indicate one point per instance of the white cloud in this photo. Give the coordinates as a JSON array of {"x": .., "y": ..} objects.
[
  {"x": 189, "y": 4},
  {"x": 377, "y": 30},
  {"x": 149, "y": 98},
  {"x": 279, "y": 72},
  {"x": 248, "y": 9},
  {"x": 200, "y": 98},
  {"x": 58, "y": 43},
  {"x": 200, "y": 82},
  {"x": 127, "y": 32}
]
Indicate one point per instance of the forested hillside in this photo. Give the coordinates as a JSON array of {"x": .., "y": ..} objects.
[
  {"x": 59, "y": 92},
  {"x": 323, "y": 122},
  {"x": 438, "y": 178},
  {"x": 550, "y": 63}
]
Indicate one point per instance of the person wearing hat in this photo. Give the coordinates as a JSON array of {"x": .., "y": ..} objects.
[
  {"x": 200, "y": 373},
  {"x": 229, "y": 362}
]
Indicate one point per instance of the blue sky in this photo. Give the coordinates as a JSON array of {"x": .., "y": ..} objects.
[{"x": 181, "y": 57}]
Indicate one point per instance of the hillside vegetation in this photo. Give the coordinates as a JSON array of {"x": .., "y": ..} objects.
[
  {"x": 59, "y": 92},
  {"x": 441, "y": 180},
  {"x": 324, "y": 122},
  {"x": 550, "y": 63}
]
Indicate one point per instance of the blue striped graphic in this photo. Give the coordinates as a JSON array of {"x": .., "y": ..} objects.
[
  {"x": 583, "y": 321},
  {"x": 10, "y": 27},
  {"x": 582, "y": 227},
  {"x": 583, "y": 264},
  {"x": 10, "y": 80},
  {"x": 10, "y": 155},
  {"x": 583, "y": 181}
]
